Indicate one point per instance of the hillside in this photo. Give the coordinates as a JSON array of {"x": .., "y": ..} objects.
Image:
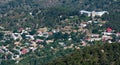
[
  {"x": 16, "y": 12},
  {"x": 55, "y": 32}
]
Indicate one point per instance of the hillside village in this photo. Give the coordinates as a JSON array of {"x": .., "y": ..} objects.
[{"x": 68, "y": 36}]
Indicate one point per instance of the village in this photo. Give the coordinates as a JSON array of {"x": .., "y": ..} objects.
[{"x": 71, "y": 35}]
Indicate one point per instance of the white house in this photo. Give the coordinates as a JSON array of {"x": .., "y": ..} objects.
[
  {"x": 30, "y": 37},
  {"x": 16, "y": 36}
]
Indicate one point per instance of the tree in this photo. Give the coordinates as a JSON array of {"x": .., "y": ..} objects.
[
  {"x": 1, "y": 35},
  {"x": 65, "y": 36},
  {"x": 32, "y": 32}
]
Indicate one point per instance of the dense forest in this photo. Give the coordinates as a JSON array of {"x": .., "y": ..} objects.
[{"x": 106, "y": 54}]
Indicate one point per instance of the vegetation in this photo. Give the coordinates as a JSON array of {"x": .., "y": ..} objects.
[
  {"x": 105, "y": 54},
  {"x": 34, "y": 14},
  {"x": 16, "y": 13},
  {"x": 99, "y": 54}
]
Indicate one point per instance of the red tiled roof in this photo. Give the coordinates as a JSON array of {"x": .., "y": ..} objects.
[
  {"x": 24, "y": 51},
  {"x": 109, "y": 29}
]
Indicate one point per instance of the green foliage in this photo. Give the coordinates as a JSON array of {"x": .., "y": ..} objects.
[
  {"x": 32, "y": 32},
  {"x": 105, "y": 54},
  {"x": 114, "y": 23},
  {"x": 1, "y": 35}
]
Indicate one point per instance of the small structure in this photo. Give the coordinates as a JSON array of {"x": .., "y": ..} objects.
[
  {"x": 24, "y": 51},
  {"x": 94, "y": 13},
  {"x": 49, "y": 41},
  {"x": 105, "y": 38},
  {"x": 42, "y": 30},
  {"x": 17, "y": 43},
  {"x": 83, "y": 43},
  {"x": 109, "y": 30},
  {"x": 16, "y": 36},
  {"x": 30, "y": 37}
]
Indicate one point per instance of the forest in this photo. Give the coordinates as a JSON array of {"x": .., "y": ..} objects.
[{"x": 105, "y": 54}]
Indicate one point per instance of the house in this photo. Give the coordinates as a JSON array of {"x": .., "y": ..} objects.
[
  {"x": 61, "y": 43},
  {"x": 75, "y": 31},
  {"x": 109, "y": 30},
  {"x": 24, "y": 51},
  {"x": 109, "y": 41},
  {"x": 24, "y": 31},
  {"x": 40, "y": 34},
  {"x": 119, "y": 41},
  {"x": 83, "y": 43},
  {"x": 94, "y": 35},
  {"x": 70, "y": 39},
  {"x": 6, "y": 32},
  {"x": 107, "y": 33},
  {"x": 28, "y": 29},
  {"x": 89, "y": 21},
  {"x": 102, "y": 51},
  {"x": 65, "y": 48},
  {"x": 42, "y": 30},
  {"x": 71, "y": 46},
  {"x": 50, "y": 33},
  {"x": 49, "y": 41},
  {"x": 94, "y": 13},
  {"x": 103, "y": 22},
  {"x": 27, "y": 43},
  {"x": 105, "y": 38},
  {"x": 16, "y": 56},
  {"x": 117, "y": 34},
  {"x": 2, "y": 28},
  {"x": 1, "y": 51},
  {"x": 95, "y": 22},
  {"x": 17, "y": 43},
  {"x": 83, "y": 25},
  {"x": 100, "y": 25},
  {"x": 21, "y": 29},
  {"x": 41, "y": 46},
  {"x": 54, "y": 31},
  {"x": 30, "y": 37},
  {"x": 34, "y": 44},
  {"x": 16, "y": 36},
  {"x": 93, "y": 39},
  {"x": 17, "y": 62},
  {"x": 32, "y": 48},
  {"x": 76, "y": 47},
  {"x": 52, "y": 47},
  {"x": 39, "y": 40}
]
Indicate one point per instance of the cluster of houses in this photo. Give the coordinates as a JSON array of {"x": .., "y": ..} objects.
[
  {"x": 25, "y": 42},
  {"x": 28, "y": 40},
  {"x": 106, "y": 36},
  {"x": 23, "y": 47}
]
